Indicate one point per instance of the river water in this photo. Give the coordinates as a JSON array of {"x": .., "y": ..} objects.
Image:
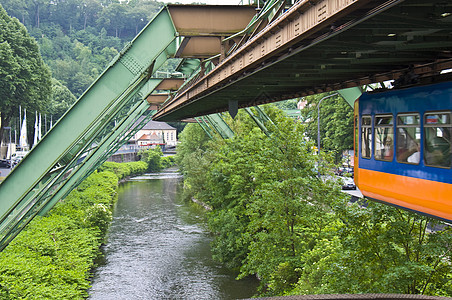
[{"x": 158, "y": 248}]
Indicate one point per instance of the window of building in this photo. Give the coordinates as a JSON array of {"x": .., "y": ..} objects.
[
  {"x": 437, "y": 139},
  {"x": 408, "y": 138},
  {"x": 384, "y": 137},
  {"x": 366, "y": 136}
]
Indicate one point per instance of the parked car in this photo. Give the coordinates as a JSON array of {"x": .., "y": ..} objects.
[
  {"x": 348, "y": 183},
  {"x": 6, "y": 164},
  {"x": 344, "y": 171}
]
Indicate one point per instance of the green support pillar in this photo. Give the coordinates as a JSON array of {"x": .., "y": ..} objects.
[
  {"x": 220, "y": 125},
  {"x": 25, "y": 191},
  {"x": 97, "y": 157},
  {"x": 204, "y": 126},
  {"x": 260, "y": 117}
]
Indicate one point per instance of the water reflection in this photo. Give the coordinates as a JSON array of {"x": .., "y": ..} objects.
[{"x": 158, "y": 248}]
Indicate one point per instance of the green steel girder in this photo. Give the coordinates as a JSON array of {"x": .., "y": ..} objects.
[
  {"x": 260, "y": 117},
  {"x": 220, "y": 125},
  {"x": 104, "y": 148},
  {"x": 55, "y": 179},
  {"x": 29, "y": 188},
  {"x": 99, "y": 155},
  {"x": 188, "y": 65},
  {"x": 204, "y": 126},
  {"x": 59, "y": 179},
  {"x": 147, "y": 116}
]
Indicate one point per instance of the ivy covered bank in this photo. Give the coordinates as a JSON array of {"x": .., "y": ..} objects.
[{"x": 53, "y": 256}]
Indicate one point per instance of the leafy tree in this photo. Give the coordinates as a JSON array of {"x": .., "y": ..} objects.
[
  {"x": 153, "y": 157},
  {"x": 111, "y": 17},
  {"x": 380, "y": 249},
  {"x": 18, "y": 9},
  {"x": 192, "y": 138},
  {"x": 273, "y": 217},
  {"x": 90, "y": 9},
  {"x": 24, "y": 78},
  {"x": 336, "y": 122},
  {"x": 287, "y": 104},
  {"x": 61, "y": 100}
]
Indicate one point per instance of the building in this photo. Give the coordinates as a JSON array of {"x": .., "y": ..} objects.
[{"x": 155, "y": 133}]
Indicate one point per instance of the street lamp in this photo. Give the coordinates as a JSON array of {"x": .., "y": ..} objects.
[
  {"x": 9, "y": 148},
  {"x": 318, "y": 129}
]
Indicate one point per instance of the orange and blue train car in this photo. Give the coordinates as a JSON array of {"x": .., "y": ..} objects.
[{"x": 403, "y": 148}]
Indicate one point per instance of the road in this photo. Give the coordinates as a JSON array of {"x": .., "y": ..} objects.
[{"x": 4, "y": 173}]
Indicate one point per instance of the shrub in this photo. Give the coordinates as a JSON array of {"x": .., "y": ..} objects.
[
  {"x": 53, "y": 256},
  {"x": 167, "y": 161},
  {"x": 153, "y": 158},
  {"x": 122, "y": 170}
]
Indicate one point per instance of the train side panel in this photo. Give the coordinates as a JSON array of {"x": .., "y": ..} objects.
[{"x": 419, "y": 187}]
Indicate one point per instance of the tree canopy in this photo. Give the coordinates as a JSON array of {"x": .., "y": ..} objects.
[
  {"x": 273, "y": 217},
  {"x": 78, "y": 38},
  {"x": 336, "y": 122},
  {"x": 24, "y": 78}
]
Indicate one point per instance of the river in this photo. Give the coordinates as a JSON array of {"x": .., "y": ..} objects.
[{"x": 158, "y": 248}]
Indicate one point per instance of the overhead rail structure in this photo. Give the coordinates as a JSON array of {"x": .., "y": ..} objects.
[
  {"x": 107, "y": 114},
  {"x": 215, "y": 122},
  {"x": 229, "y": 57},
  {"x": 325, "y": 45}
]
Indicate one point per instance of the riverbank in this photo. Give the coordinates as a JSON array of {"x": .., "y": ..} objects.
[
  {"x": 158, "y": 247},
  {"x": 52, "y": 258}
]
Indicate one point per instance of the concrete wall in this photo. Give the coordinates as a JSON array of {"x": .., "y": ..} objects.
[{"x": 123, "y": 157}]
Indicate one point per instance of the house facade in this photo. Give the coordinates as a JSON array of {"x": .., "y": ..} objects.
[{"x": 155, "y": 133}]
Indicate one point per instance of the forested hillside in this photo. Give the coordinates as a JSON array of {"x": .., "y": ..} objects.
[{"x": 78, "y": 38}]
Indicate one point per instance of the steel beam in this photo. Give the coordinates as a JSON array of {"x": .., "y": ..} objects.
[
  {"x": 260, "y": 118},
  {"x": 205, "y": 126},
  {"x": 103, "y": 148},
  {"x": 98, "y": 156},
  {"x": 213, "y": 20},
  {"x": 220, "y": 125},
  {"x": 26, "y": 190},
  {"x": 299, "y": 22},
  {"x": 351, "y": 94}
]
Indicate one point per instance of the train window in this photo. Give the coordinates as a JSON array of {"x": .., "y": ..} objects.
[
  {"x": 355, "y": 140},
  {"x": 384, "y": 137},
  {"x": 408, "y": 138},
  {"x": 366, "y": 136},
  {"x": 437, "y": 139}
]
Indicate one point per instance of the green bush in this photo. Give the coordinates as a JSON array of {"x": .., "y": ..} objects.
[
  {"x": 153, "y": 158},
  {"x": 53, "y": 256},
  {"x": 122, "y": 170},
  {"x": 167, "y": 161}
]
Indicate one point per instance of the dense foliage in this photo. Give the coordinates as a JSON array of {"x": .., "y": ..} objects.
[
  {"x": 273, "y": 217},
  {"x": 155, "y": 160},
  {"x": 24, "y": 78},
  {"x": 122, "y": 170},
  {"x": 53, "y": 256},
  {"x": 78, "y": 38},
  {"x": 336, "y": 122}
]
